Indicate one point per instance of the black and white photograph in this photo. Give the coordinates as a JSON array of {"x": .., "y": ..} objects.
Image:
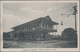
[{"x": 40, "y": 24}]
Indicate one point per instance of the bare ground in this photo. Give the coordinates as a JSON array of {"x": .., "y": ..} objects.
[{"x": 41, "y": 44}]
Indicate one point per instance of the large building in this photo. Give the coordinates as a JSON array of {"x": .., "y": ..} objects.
[{"x": 38, "y": 29}]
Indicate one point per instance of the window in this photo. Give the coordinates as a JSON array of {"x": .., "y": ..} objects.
[
  {"x": 46, "y": 25},
  {"x": 54, "y": 27},
  {"x": 51, "y": 26},
  {"x": 34, "y": 26},
  {"x": 43, "y": 24},
  {"x": 37, "y": 24},
  {"x": 29, "y": 27}
]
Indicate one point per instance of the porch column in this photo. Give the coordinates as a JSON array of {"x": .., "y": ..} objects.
[
  {"x": 30, "y": 36},
  {"x": 38, "y": 36},
  {"x": 25, "y": 36},
  {"x": 46, "y": 36},
  {"x": 34, "y": 35},
  {"x": 17, "y": 35}
]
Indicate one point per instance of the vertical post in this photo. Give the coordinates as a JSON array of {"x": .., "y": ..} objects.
[
  {"x": 44, "y": 25},
  {"x": 17, "y": 36},
  {"x": 74, "y": 13},
  {"x": 46, "y": 36},
  {"x": 75, "y": 23}
]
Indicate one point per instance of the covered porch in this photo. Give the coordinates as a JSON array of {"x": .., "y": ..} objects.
[{"x": 41, "y": 34}]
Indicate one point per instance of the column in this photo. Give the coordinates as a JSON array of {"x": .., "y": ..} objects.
[
  {"x": 34, "y": 35},
  {"x": 44, "y": 25},
  {"x": 30, "y": 26},
  {"x": 25, "y": 36},
  {"x": 31, "y": 36},
  {"x": 38, "y": 36},
  {"x": 46, "y": 36},
  {"x": 41, "y": 25},
  {"x": 36, "y": 25},
  {"x": 53, "y": 27},
  {"x": 47, "y": 26}
]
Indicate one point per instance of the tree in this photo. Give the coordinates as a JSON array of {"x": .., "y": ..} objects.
[
  {"x": 6, "y": 35},
  {"x": 69, "y": 33}
]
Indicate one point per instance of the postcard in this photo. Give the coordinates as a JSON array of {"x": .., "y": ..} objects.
[{"x": 40, "y": 26}]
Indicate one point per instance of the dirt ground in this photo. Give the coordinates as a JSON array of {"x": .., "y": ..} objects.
[{"x": 41, "y": 44}]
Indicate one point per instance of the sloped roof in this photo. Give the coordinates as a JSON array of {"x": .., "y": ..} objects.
[
  {"x": 10, "y": 32},
  {"x": 44, "y": 19},
  {"x": 48, "y": 18}
]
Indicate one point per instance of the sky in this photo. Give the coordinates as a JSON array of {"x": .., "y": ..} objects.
[{"x": 18, "y": 13}]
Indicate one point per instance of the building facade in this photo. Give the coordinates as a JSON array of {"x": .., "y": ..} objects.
[{"x": 38, "y": 29}]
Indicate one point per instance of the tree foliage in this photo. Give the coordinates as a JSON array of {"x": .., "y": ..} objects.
[{"x": 69, "y": 33}]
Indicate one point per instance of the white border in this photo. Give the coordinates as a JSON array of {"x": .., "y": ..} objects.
[{"x": 38, "y": 49}]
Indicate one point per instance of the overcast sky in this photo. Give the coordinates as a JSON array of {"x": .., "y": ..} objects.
[{"x": 18, "y": 13}]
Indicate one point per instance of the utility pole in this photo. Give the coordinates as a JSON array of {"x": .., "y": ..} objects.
[{"x": 74, "y": 13}]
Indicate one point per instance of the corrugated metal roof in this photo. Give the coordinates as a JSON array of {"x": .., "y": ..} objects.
[{"x": 44, "y": 19}]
